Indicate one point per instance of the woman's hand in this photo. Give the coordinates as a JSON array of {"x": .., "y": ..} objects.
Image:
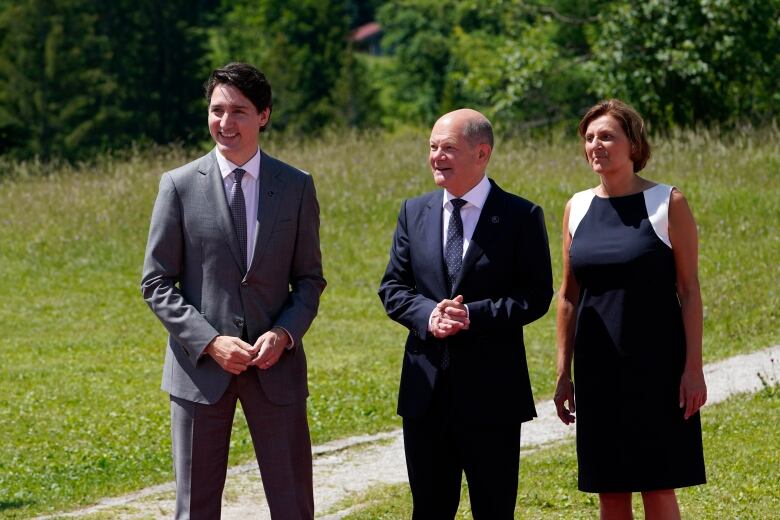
[
  {"x": 564, "y": 393},
  {"x": 693, "y": 391}
]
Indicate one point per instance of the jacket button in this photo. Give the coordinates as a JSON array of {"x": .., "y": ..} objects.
[{"x": 238, "y": 322}]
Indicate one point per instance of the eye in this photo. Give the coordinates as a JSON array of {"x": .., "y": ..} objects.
[{"x": 589, "y": 138}]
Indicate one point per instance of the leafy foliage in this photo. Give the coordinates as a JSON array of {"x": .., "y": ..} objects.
[
  {"x": 514, "y": 61},
  {"x": 301, "y": 46},
  {"x": 53, "y": 92},
  {"x": 687, "y": 63},
  {"x": 158, "y": 59},
  {"x": 419, "y": 34},
  {"x": 533, "y": 63},
  {"x": 78, "y": 77}
]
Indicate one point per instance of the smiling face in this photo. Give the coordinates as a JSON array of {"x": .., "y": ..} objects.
[
  {"x": 234, "y": 123},
  {"x": 457, "y": 165},
  {"x": 607, "y": 148}
]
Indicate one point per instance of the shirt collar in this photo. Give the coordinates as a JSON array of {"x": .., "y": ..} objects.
[
  {"x": 251, "y": 167},
  {"x": 476, "y": 196}
]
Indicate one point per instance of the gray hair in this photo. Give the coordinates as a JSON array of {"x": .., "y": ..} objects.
[{"x": 478, "y": 130}]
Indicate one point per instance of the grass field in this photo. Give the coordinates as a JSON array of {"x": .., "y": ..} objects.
[
  {"x": 81, "y": 413},
  {"x": 741, "y": 474}
]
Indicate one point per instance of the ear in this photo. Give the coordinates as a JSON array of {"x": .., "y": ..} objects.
[
  {"x": 264, "y": 116},
  {"x": 483, "y": 152}
]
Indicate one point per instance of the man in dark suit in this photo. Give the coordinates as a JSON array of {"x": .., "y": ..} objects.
[
  {"x": 469, "y": 266},
  {"x": 233, "y": 271}
]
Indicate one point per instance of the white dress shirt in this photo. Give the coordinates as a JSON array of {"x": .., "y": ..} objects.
[
  {"x": 469, "y": 214},
  {"x": 250, "y": 185}
]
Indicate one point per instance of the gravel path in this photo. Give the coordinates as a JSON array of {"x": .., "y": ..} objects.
[{"x": 355, "y": 464}]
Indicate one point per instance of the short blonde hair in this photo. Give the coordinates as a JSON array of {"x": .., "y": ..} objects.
[{"x": 630, "y": 121}]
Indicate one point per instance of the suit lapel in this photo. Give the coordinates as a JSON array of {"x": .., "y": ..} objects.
[
  {"x": 483, "y": 233},
  {"x": 431, "y": 233},
  {"x": 271, "y": 185},
  {"x": 215, "y": 198}
]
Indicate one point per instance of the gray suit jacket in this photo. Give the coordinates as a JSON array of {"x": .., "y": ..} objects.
[{"x": 193, "y": 280}]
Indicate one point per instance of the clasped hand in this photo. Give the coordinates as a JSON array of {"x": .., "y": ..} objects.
[
  {"x": 449, "y": 317},
  {"x": 235, "y": 355}
]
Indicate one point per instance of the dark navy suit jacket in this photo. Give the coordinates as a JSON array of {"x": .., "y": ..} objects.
[{"x": 506, "y": 281}]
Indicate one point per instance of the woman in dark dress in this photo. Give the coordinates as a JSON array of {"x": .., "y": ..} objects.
[{"x": 630, "y": 317}]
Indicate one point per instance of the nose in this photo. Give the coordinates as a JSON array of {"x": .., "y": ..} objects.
[{"x": 438, "y": 155}]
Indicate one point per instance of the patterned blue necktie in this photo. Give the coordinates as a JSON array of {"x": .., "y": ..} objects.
[
  {"x": 453, "y": 249},
  {"x": 453, "y": 260},
  {"x": 238, "y": 212}
]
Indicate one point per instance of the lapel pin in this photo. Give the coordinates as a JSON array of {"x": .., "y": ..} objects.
[{"x": 494, "y": 219}]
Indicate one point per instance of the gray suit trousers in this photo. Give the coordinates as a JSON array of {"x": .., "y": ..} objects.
[{"x": 201, "y": 440}]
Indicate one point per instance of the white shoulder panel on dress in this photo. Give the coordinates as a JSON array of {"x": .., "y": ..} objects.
[
  {"x": 580, "y": 203},
  {"x": 657, "y": 204}
]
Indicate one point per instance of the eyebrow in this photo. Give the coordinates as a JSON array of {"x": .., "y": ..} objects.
[{"x": 228, "y": 105}]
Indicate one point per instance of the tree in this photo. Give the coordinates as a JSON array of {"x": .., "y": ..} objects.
[
  {"x": 419, "y": 35},
  {"x": 523, "y": 65},
  {"x": 301, "y": 46},
  {"x": 55, "y": 94},
  {"x": 159, "y": 60},
  {"x": 78, "y": 77},
  {"x": 518, "y": 62},
  {"x": 689, "y": 62}
]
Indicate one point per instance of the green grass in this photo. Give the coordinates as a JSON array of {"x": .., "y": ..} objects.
[
  {"x": 741, "y": 459},
  {"x": 81, "y": 413}
]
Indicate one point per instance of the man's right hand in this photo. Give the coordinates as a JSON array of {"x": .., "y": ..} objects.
[
  {"x": 449, "y": 317},
  {"x": 231, "y": 353}
]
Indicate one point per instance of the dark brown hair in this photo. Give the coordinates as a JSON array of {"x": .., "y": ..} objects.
[
  {"x": 251, "y": 82},
  {"x": 630, "y": 121}
]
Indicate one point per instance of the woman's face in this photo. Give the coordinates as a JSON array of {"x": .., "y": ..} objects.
[{"x": 607, "y": 147}]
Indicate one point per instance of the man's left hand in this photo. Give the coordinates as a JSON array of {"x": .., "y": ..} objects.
[
  {"x": 271, "y": 346},
  {"x": 450, "y": 317},
  {"x": 455, "y": 310}
]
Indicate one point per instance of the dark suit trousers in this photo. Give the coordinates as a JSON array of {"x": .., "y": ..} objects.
[
  {"x": 440, "y": 448},
  {"x": 201, "y": 440}
]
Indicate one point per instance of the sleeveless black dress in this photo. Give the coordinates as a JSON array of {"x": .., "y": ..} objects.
[{"x": 629, "y": 348}]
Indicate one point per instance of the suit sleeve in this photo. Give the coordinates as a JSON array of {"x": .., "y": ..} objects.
[
  {"x": 306, "y": 279},
  {"x": 163, "y": 264},
  {"x": 528, "y": 298},
  {"x": 398, "y": 289}
]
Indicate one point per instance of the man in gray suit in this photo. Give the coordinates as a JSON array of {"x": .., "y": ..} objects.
[{"x": 233, "y": 271}]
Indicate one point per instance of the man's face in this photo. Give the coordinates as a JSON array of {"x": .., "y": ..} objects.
[
  {"x": 455, "y": 163},
  {"x": 234, "y": 123}
]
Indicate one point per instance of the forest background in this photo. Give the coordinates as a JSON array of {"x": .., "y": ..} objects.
[
  {"x": 79, "y": 77},
  {"x": 98, "y": 98}
]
